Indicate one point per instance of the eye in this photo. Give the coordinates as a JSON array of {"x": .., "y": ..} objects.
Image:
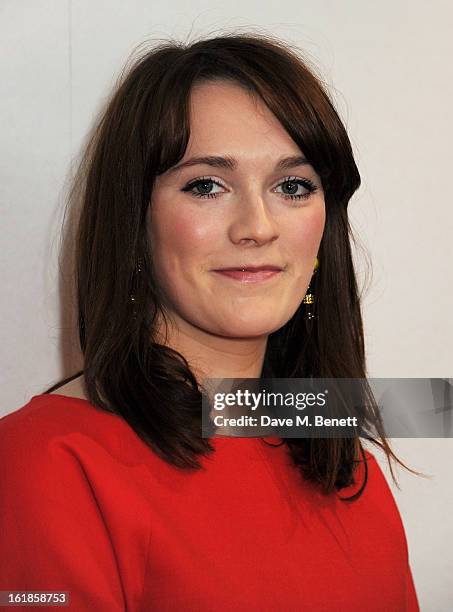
[
  {"x": 293, "y": 185},
  {"x": 204, "y": 184}
]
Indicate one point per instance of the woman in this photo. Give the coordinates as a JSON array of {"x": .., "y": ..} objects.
[{"x": 226, "y": 153}]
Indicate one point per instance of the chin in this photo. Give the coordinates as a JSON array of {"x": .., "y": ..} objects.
[{"x": 251, "y": 329}]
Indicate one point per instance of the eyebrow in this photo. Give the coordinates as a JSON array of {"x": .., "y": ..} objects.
[{"x": 230, "y": 163}]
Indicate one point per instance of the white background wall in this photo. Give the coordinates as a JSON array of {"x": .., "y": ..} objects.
[{"x": 389, "y": 68}]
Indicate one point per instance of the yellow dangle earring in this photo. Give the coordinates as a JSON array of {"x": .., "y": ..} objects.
[{"x": 309, "y": 298}]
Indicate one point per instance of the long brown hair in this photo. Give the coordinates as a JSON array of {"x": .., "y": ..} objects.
[{"x": 142, "y": 131}]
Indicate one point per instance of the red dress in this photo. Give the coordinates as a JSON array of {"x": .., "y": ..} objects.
[{"x": 88, "y": 508}]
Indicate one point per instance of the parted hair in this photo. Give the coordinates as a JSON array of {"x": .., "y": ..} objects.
[{"x": 142, "y": 131}]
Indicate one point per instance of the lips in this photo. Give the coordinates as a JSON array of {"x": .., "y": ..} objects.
[
  {"x": 263, "y": 268},
  {"x": 251, "y": 275}
]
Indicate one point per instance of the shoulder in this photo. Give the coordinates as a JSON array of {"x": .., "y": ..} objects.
[
  {"x": 375, "y": 475},
  {"x": 51, "y": 414},
  {"x": 369, "y": 455},
  {"x": 33, "y": 433},
  {"x": 379, "y": 493},
  {"x": 61, "y": 467}
]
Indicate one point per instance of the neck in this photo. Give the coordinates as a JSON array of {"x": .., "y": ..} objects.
[{"x": 211, "y": 356}]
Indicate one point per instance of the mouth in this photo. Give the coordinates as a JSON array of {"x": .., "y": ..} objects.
[
  {"x": 245, "y": 268},
  {"x": 251, "y": 274}
]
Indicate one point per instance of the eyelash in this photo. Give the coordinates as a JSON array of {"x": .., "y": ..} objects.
[{"x": 290, "y": 179}]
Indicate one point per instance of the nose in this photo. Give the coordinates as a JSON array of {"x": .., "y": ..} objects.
[{"x": 251, "y": 220}]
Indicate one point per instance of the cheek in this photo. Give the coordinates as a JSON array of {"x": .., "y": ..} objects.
[
  {"x": 179, "y": 235},
  {"x": 304, "y": 235}
]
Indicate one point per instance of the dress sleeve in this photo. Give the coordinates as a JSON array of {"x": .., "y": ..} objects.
[
  {"x": 53, "y": 537},
  {"x": 412, "y": 604}
]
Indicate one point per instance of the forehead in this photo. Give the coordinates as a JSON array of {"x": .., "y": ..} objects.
[{"x": 224, "y": 114}]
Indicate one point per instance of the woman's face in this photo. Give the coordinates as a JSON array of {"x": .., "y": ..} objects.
[{"x": 244, "y": 217}]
